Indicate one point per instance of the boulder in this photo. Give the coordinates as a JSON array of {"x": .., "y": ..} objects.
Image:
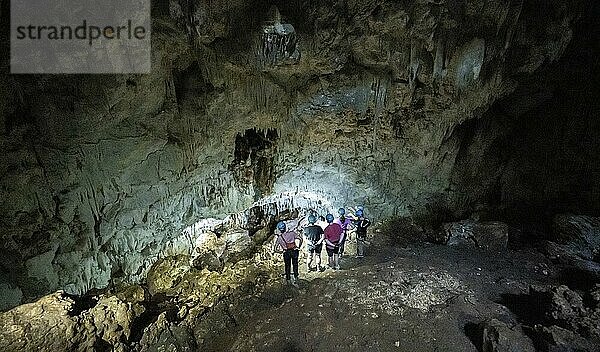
[
  {"x": 108, "y": 323},
  {"x": 210, "y": 242},
  {"x": 208, "y": 252},
  {"x": 208, "y": 261},
  {"x": 557, "y": 339},
  {"x": 580, "y": 233},
  {"x": 571, "y": 256},
  {"x": 163, "y": 335},
  {"x": 566, "y": 309},
  {"x": 484, "y": 234},
  {"x": 26, "y": 327},
  {"x": 58, "y": 322},
  {"x": 238, "y": 241},
  {"x": 500, "y": 337}
]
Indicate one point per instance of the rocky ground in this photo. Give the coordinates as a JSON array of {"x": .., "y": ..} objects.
[
  {"x": 416, "y": 298},
  {"x": 466, "y": 295}
]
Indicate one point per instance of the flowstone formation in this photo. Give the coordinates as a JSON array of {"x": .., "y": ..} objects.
[{"x": 346, "y": 103}]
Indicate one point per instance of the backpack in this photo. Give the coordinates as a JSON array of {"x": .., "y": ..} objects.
[{"x": 289, "y": 244}]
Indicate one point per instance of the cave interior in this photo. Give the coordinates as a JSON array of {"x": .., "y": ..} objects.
[{"x": 139, "y": 211}]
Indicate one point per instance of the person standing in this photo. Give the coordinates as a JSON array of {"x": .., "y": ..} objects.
[
  {"x": 314, "y": 238},
  {"x": 345, "y": 223},
  {"x": 333, "y": 238},
  {"x": 321, "y": 222},
  {"x": 361, "y": 224},
  {"x": 288, "y": 243}
]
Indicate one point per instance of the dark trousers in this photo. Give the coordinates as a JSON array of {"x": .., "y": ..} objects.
[
  {"x": 290, "y": 258},
  {"x": 343, "y": 244}
]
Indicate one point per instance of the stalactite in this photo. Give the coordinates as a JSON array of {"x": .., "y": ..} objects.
[
  {"x": 277, "y": 44},
  {"x": 414, "y": 66},
  {"x": 263, "y": 93},
  {"x": 438, "y": 63},
  {"x": 378, "y": 94},
  {"x": 514, "y": 14}
]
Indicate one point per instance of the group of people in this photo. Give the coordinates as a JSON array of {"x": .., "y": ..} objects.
[{"x": 328, "y": 230}]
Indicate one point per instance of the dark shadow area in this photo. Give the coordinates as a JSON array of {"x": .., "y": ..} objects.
[
  {"x": 190, "y": 84},
  {"x": 577, "y": 279},
  {"x": 530, "y": 309},
  {"x": 101, "y": 345},
  {"x": 254, "y": 159},
  {"x": 158, "y": 304},
  {"x": 291, "y": 347},
  {"x": 82, "y": 303},
  {"x": 475, "y": 334},
  {"x": 534, "y": 153}
]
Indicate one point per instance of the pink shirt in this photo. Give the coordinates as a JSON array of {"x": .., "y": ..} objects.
[
  {"x": 285, "y": 238},
  {"x": 333, "y": 232}
]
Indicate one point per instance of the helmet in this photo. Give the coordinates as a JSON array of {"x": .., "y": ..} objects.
[
  {"x": 281, "y": 226},
  {"x": 359, "y": 212},
  {"x": 329, "y": 218},
  {"x": 312, "y": 219},
  {"x": 360, "y": 207},
  {"x": 342, "y": 211}
]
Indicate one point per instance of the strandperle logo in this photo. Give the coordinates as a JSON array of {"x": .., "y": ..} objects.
[
  {"x": 81, "y": 32},
  {"x": 80, "y": 36}
]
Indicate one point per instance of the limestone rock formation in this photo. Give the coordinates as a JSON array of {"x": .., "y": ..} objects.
[
  {"x": 101, "y": 176},
  {"x": 165, "y": 336},
  {"x": 210, "y": 250},
  {"x": 147, "y": 202},
  {"x": 568, "y": 324},
  {"x": 26, "y": 327},
  {"x": 486, "y": 234},
  {"x": 576, "y": 242},
  {"x": 58, "y": 323},
  {"x": 559, "y": 339}
]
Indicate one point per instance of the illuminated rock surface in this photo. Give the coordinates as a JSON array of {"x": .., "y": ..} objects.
[{"x": 450, "y": 298}]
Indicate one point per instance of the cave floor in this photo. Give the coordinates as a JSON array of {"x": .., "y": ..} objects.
[{"x": 414, "y": 298}]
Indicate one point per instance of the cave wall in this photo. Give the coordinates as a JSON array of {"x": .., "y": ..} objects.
[
  {"x": 535, "y": 152},
  {"x": 100, "y": 174}
]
